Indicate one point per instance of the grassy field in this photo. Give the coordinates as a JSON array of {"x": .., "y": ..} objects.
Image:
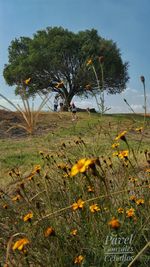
[{"x": 73, "y": 195}]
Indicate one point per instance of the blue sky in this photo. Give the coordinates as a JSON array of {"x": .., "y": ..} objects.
[{"x": 124, "y": 21}]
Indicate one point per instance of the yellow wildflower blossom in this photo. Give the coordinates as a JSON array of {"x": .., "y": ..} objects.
[
  {"x": 30, "y": 177},
  {"x": 114, "y": 223},
  {"x": 89, "y": 62},
  {"x": 132, "y": 179},
  {"x": 59, "y": 85},
  {"x": 81, "y": 166},
  {"x": 79, "y": 259},
  {"x": 120, "y": 210},
  {"x": 19, "y": 244},
  {"x": 27, "y": 81},
  {"x": 88, "y": 87},
  {"x": 90, "y": 189},
  {"x": 78, "y": 205},
  {"x": 115, "y": 154},
  {"x": 5, "y": 206},
  {"x": 37, "y": 168},
  {"x": 94, "y": 208},
  {"x": 123, "y": 154},
  {"x": 49, "y": 232},
  {"x": 28, "y": 217},
  {"x": 148, "y": 171},
  {"x": 74, "y": 232},
  {"x": 140, "y": 201},
  {"x": 133, "y": 198},
  {"x": 130, "y": 213},
  {"x": 115, "y": 145},
  {"x": 139, "y": 129},
  {"x": 121, "y": 136},
  {"x": 16, "y": 198}
]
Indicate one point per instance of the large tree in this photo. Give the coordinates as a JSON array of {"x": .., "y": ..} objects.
[{"x": 56, "y": 60}]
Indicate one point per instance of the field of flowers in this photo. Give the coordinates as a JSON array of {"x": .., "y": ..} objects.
[{"x": 83, "y": 200}]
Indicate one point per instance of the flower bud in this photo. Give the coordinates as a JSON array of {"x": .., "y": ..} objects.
[
  {"x": 101, "y": 59},
  {"x": 142, "y": 79}
]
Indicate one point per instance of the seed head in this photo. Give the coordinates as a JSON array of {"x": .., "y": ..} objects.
[{"x": 142, "y": 79}]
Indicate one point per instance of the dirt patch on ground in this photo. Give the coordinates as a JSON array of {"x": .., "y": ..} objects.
[{"x": 47, "y": 122}]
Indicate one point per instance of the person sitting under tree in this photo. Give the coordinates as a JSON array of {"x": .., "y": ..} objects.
[
  {"x": 61, "y": 103},
  {"x": 74, "y": 111},
  {"x": 55, "y": 103}
]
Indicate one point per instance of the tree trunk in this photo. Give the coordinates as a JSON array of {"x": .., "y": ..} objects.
[{"x": 67, "y": 102}]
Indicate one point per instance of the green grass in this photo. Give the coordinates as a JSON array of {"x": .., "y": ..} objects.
[
  {"x": 48, "y": 192},
  {"x": 24, "y": 152}
]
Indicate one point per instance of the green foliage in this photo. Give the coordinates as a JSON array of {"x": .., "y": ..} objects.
[{"x": 56, "y": 54}]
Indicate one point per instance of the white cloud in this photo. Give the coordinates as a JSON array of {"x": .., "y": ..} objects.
[
  {"x": 129, "y": 91},
  {"x": 137, "y": 108}
]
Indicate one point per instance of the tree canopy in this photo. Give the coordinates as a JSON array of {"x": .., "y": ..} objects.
[{"x": 55, "y": 59}]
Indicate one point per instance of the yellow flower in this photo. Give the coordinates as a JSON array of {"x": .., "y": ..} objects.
[
  {"x": 49, "y": 232},
  {"x": 88, "y": 87},
  {"x": 114, "y": 223},
  {"x": 78, "y": 205},
  {"x": 94, "y": 208},
  {"x": 140, "y": 201},
  {"x": 28, "y": 217},
  {"x": 5, "y": 206},
  {"x": 78, "y": 167},
  {"x": 121, "y": 136},
  {"x": 74, "y": 232},
  {"x": 115, "y": 154},
  {"x": 89, "y": 62},
  {"x": 20, "y": 244},
  {"x": 148, "y": 171},
  {"x": 81, "y": 166},
  {"x": 30, "y": 177},
  {"x": 133, "y": 198},
  {"x": 37, "y": 168},
  {"x": 115, "y": 145},
  {"x": 27, "y": 81},
  {"x": 139, "y": 129},
  {"x": 16, "y": 198},
  {"x": 132, "y": 179},
  {"x": 59, "y": 85},
  {"x": 123, "y": 154},
  {"x": 130, "y": 213},
  {"x": 90, "y": 189},
  {"x": 79, "y": 259},
  {"x": 120, "y": 210}
]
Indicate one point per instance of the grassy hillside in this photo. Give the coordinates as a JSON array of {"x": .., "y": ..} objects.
[
  {"x": 21, "y": 150},
  {"x": 75, "y": 188}
]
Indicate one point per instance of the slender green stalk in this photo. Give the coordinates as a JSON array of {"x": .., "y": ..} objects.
[
  {"x": 145, "y": 100},
  {"x": 90, "y": 200},
  {"x": 139, "y": 254},
  {"x": 101, "y": 104}
]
